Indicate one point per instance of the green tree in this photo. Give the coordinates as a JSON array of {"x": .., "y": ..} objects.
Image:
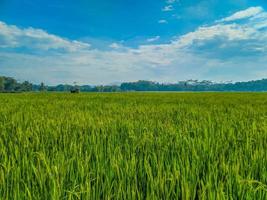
[
  {"x": 42, "y": 87},
  {"x": 10, "y": 84},
  {"x": 26, "y": 86},
  {"x": 2, "y": 84}
]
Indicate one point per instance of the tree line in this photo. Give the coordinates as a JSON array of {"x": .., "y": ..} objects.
[{"x": 8, "y": 84}]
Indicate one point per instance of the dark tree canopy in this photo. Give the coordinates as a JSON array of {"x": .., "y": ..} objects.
[
  {"x": 2, "y": 84},
  {"x": 8, "y": 84}
]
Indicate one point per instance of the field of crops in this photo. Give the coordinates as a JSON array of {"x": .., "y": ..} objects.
[{"x": 133, "y": 146}]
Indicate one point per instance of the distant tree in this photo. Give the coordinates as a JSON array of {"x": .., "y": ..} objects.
[
  {"x": 26, "y": 86},
  {"x": 86, "y": 88},
  {"x": 2, "y": 84},
  {"x": 10, "y": 84},
  {"x": 99, "y": 88},
  {"x": 42, "y": 87}
]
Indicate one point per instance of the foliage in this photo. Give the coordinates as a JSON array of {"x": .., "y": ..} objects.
[
  {"x": 189, "y": 85},
  {"x": 42, "y": 87},
  {"x": 11, "y": 85},
  {"x": 8, "y": 84},
  {"x": 2, "y": 84},
  {"x": 195, "y": 85},
  {"x": 133, "y": 146}
]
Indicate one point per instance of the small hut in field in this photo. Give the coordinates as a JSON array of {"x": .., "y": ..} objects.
[{"x": 75, "y": 88}]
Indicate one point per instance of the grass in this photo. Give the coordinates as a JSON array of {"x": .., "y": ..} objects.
[{"x": 133, "y": 146}]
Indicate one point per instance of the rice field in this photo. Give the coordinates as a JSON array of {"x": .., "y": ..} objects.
[{"x": 133, "y": 146}]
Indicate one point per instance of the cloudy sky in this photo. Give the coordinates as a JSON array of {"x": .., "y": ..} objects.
[{"x": 111, "y": 41}]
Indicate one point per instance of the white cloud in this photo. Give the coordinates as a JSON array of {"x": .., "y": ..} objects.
[
  {"x": 14, "y": 37},
  {"x": 162, "y": 21},
  {"x": 167, "y": 8},
  {"x": 250, "y": 12},
  {"x": 115, "y": 45},
  {"x": 153, "y": 39},
  {"x": 171, "y": 1},
  {"x": 229, "y": 32},
  {"x": 220, "y": 51}
]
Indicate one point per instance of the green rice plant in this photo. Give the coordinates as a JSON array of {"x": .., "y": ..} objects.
[{"x": 133, "y": 146}]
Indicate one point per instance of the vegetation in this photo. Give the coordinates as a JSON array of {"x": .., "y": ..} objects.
[
  {"x": 189, "y": 85},
  {"x": 8, "y": 84},
  {"x": 133, "y": 146},
  {"x": 42, "y": 87},
  {"x": 195, "y": 85}
]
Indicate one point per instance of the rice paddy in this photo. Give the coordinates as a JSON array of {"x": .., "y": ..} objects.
[{"x": 133, "y": 146}]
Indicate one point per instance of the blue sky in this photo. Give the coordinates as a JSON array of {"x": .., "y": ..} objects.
[{"x": 104, "y": 41}]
